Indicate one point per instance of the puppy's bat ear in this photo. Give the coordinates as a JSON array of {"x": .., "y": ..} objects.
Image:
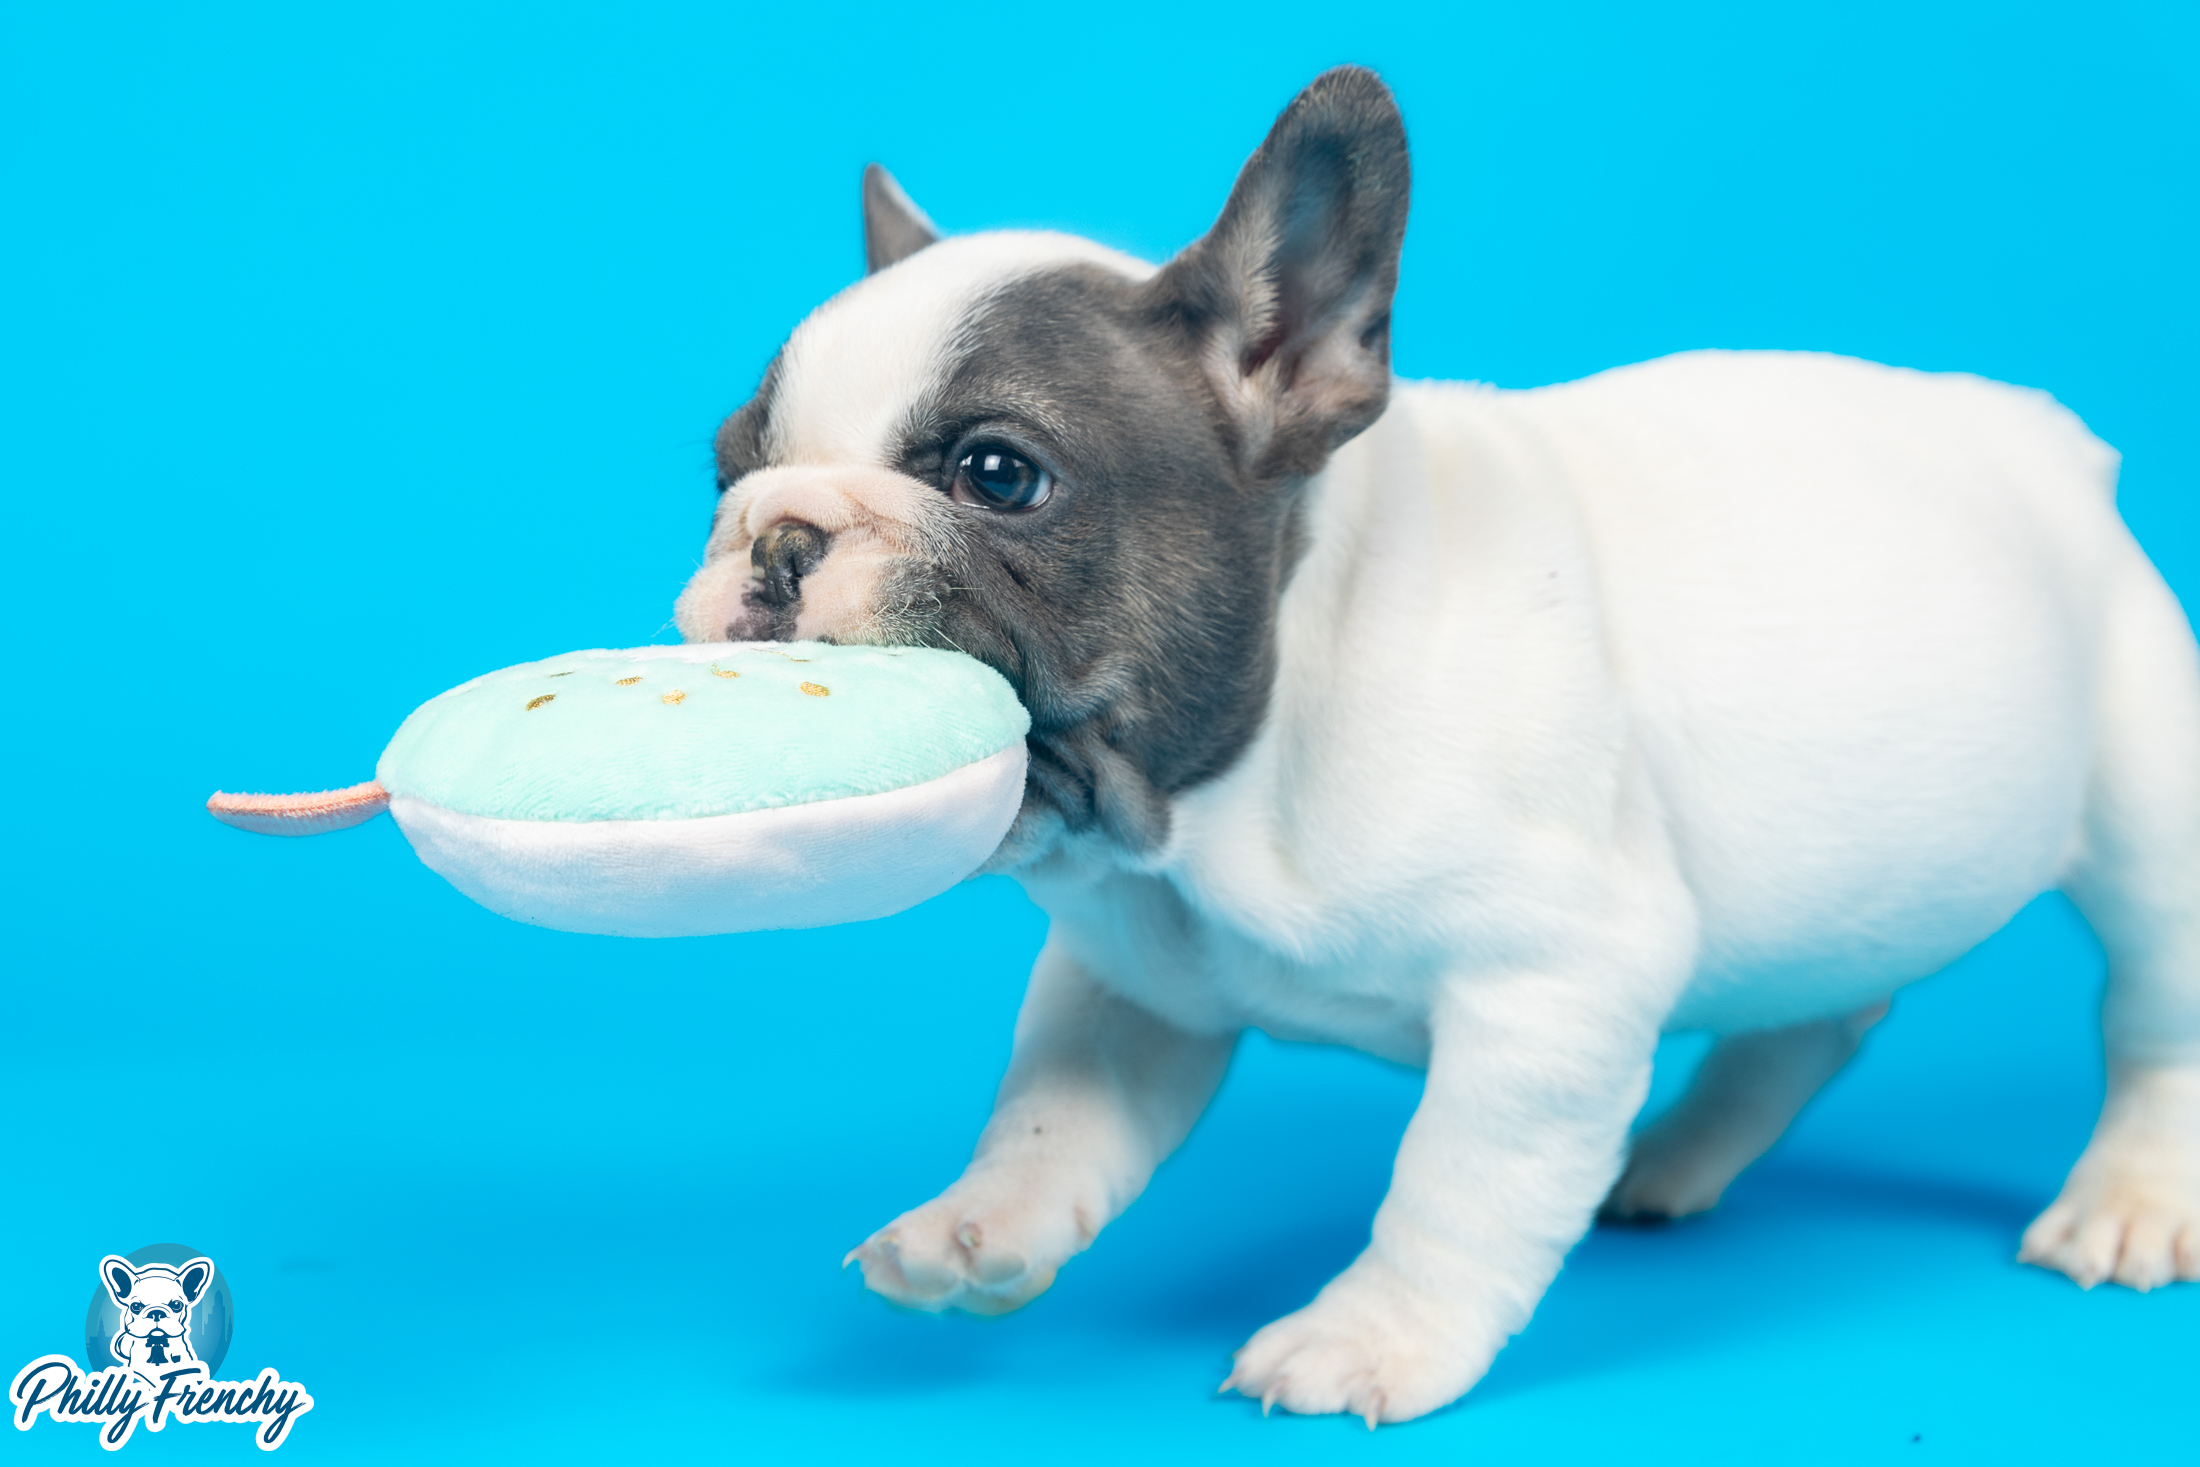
[
  {"x": 1287, "y": 298},
  {"x": 120, "y": 1276},
  {"x": 193, "y": 1277},
  {"x": 894, "y": 228}
]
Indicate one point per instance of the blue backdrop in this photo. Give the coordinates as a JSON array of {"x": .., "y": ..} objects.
[{"x": 349, "y": 351}]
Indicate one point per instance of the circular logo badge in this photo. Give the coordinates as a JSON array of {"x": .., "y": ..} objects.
[{"x": 211, "y": 1318}]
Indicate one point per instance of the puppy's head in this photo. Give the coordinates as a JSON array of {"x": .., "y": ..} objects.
[
  {"x": 1071, "y": 465},
  {"x": 156, "y": 1297}
]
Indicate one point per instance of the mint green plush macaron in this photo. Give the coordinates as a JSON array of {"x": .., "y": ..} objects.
[
  {"x": 670, "y": 733},
  {"x": 678, "y": 791}
]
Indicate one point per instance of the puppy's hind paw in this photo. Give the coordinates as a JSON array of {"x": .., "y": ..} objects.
[
  {"x": 1648, "y": 1193},
  {"x": 1662, "y": 1185}
]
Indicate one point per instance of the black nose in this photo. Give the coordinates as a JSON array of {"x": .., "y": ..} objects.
[
  {"x": 156, "y": 1314},
  {"x": 784, "y": 554}
]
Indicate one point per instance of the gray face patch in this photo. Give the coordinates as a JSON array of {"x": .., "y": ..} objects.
[
  {"x": 1134, "y": 610},
  {"x": 1180, "y": 416},
  {"x": 739, "y": 445}
]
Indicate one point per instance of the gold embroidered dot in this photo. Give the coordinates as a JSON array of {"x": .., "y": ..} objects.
[
  {"x": 534, "y": 703},
  {"x": 722, "y": 672},
  {"x": 676, "y": 696},
  {"x": 815, "y": 691},
  {"x": 626, "y": 682}
]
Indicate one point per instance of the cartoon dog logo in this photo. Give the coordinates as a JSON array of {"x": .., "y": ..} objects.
[{"x": 156, "y": 1305}]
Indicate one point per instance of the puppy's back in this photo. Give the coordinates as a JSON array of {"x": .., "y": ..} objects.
[{"x": 1858, "y": 615}]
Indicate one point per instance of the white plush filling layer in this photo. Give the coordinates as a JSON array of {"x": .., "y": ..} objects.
[{"x": 807, "y": 865}]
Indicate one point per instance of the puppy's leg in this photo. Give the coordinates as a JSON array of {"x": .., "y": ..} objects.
[
  {"x": 1098, "y": 1092},
  {"x": 2130, "y": 1210},
  {"x": 1532, "y": 1080},
  {"x": 1747, "y": 1092}
]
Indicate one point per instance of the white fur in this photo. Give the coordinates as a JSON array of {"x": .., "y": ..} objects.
[
  {"x": 1733, "y": 690},
  {"x": 851, "y": 370}
]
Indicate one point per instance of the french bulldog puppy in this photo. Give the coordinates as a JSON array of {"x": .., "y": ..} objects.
[
  {"x": 1494, "y": 732},
  {"x": 155, "y": 1301}
]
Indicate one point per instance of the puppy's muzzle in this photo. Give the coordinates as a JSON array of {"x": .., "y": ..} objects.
[
  {"x": 836, "y": 553},
  {"x": 782, "y": 556}
]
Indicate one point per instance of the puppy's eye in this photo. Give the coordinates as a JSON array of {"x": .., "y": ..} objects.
[
  {"x": 995, "y": 476},
  {"x": 137, "y": 1308}
]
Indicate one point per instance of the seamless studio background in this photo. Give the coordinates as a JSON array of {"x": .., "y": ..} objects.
[{"x": 349, "y": 351}]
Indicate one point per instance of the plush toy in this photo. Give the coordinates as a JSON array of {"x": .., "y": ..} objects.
[{"x": 677, "y": 791}]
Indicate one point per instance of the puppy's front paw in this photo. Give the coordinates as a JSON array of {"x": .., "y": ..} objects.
[
  {"x": 1368, "y": 1346},
  {"x": 2138, "y": 1226},
  {"x": 972, "y": 1249},
  {"x": 2131, "y": 1208}
]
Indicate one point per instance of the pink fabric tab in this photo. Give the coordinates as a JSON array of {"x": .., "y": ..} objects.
[{"x": 310, "y": 814}]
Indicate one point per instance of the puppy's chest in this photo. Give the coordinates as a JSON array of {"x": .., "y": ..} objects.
[{"x": 1139, "y": 936}]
